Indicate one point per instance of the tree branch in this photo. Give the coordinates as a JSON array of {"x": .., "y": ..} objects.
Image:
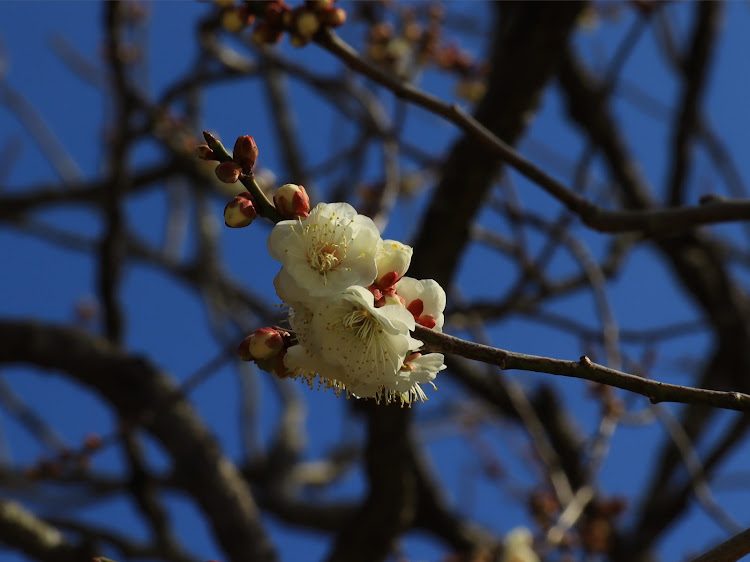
[
  {"x": 141, "y": 394},
  {"x": 584, "y": 368},
  {"x": 651, "y": 222}
]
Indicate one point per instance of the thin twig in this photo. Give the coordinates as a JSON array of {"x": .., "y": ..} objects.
[{"x": 584, "y": 368}]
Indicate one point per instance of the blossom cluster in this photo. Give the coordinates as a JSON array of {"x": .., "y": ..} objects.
[{"x": 351, "y": 308}]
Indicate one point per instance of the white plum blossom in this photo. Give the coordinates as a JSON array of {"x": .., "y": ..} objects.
[
  {"x": 332, "y": 249},
  {"x": 370, "y": 342},
  {"x": 311, "y": 367},
  {"x": 352, "y": 345},
  {"x": 351, "y": 309},
  {"x": 402, "y": 386},
  {"x": 425, "y": 299}
]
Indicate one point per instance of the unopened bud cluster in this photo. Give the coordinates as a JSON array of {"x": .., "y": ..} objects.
[
  {"x": 243, "y": 158},
  {"x": 404, "y": 50},
  {"x": 276, "y": 17},
  {"x": 418, "y": 42},
  {"x": 291, "y": 200}
]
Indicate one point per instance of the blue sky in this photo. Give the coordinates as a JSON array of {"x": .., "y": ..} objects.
[{"x": 167, "y": 322}]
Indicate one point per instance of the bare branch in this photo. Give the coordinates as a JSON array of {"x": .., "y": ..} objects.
[
  {"x": 654, "y": 390},
  {"x": 135, "y": 388},
  {"x": 728, "y": 551},
  {"x": 653, "y": 222}
]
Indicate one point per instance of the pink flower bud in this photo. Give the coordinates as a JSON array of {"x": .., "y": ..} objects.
[
  {"x": 228, "y": 172},
  {"x": 245, "y": 153},
  {"x": 204, "y": 152},
  {"x": 292, "y": 201},
  {"x": 265, "y": 343},
  {"x": 240, "y": 211},
  {"x": 265, "y": 346}
]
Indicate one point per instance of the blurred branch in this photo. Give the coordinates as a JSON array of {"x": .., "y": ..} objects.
[
  {"x": 695, "y": 68},
  {"x": 595, "y": 274},
  {"x": 22, "y": 530},
  {"x": 452, "y": 192},
  {"x": 732, "y": 549},
  {"x": 144, "y": 492},
  {"x": 30, "y": 419},
  {"x": 54, "y": 150},
  {"x": 393, "y": 478},
  {"x": 125, "y": 546},
  {"x": 77, "y": 63},
  {"x": 696, "y": 471},
  {"x": 693, "y": 258},
  {"x": 286, "y": 128},
  {"x": 652, "y": 222},
  {"x": 90, "y": 193},
  {"x": 135, "y": 388}
]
